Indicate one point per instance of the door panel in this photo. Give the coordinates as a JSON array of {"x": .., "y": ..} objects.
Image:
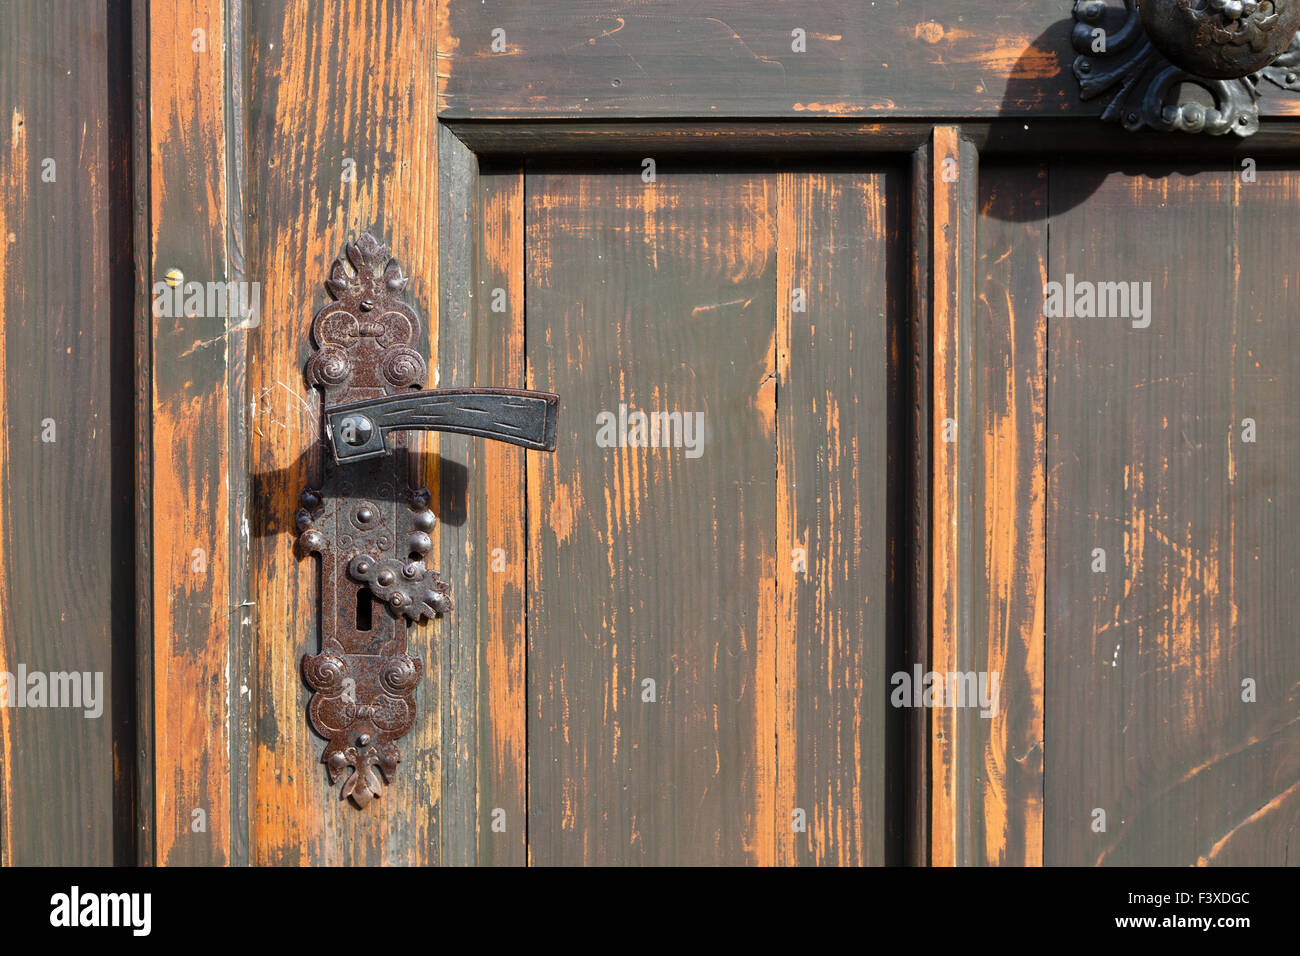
[
  {"x": 761, "y": 304},
  {"x": 1145, "y": 461}
]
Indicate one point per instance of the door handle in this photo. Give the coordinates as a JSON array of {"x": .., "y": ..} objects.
[
  {"x": 1144, "y": 56},
  {"x": 356, "y": 431},
  {"x": 368, "y": 522}
]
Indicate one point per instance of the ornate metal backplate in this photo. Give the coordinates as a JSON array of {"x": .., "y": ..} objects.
[
  {"x": 368, "y": 523},
  {"x": 363, "y": 680},
  {"x": 1147, "y": 54}
]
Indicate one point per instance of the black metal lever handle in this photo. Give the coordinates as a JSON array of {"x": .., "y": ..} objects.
[{"x": 356, "y": 430}]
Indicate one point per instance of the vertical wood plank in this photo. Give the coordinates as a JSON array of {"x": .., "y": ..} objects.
[
  {"x": 1149, "y": 462},
  {"x": 242, "y": 600},
  {"x": 500, "y": 529},
  {"x": 459, "y": 493},
  {"x": 1006, "y": 748},
  {"x": 833, "y": 425},
  {"x": 918, "y": 373},
  {"x": 142, "y": 500},
  {"x": 329, "y": 82},
  {"x": 953, "y": 176},
  {"x": 645, "y": 564},
  {"x": 1251, "y": 776},
  {"x": 66, "y": 602},
  {"x": 191, "y": 466}
]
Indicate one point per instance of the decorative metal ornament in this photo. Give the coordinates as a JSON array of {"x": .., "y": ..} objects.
[
  {"x": 1152, "y": 57},
  {"x": 367, "y": 522}
]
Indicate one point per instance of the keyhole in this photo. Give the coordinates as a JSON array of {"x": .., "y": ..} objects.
[{"x": 363, "y": 609}]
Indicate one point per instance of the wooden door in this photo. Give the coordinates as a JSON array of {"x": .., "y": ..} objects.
[{"x": 828, "y": 426}]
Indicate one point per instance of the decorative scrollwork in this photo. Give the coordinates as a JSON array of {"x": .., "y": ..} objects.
[
  {"x": 403, "y": 367},
  {"x": 1156, "y": 53},
  {"x": 362, "y": 713},
  {"x": 407, "y": 587},
  {"x": 363, "y": 681},
  {"x": 364, "y": 335}
]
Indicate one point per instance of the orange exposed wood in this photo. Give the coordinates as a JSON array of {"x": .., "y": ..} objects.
[
  {"x": 503, "y": 756},
  {"x": 190, "y": 438},
  {"x": 12, "y": 183},
  {"x": 788, "y": 533},
  {"x": 329, "y": 82},
  {"x": 1010, "y": 482},
  {"x": 946, "y": 489}
]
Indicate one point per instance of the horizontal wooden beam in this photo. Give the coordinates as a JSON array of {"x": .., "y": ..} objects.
[
  {"x": 683, "y": 60},
  {"x": 763, "y": 139}
]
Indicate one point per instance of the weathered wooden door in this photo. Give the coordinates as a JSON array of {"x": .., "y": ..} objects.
[{"x": 882, "y": 355}]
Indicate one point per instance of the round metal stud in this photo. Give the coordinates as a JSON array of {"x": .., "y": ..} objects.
[
  {"x": 311, "y": 541},
  {"x": 356, "y": 429}
]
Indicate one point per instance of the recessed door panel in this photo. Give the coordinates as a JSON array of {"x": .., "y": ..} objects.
[
  {"x": 708, "y": 598},
  {"x": 1160, "y": 300}
]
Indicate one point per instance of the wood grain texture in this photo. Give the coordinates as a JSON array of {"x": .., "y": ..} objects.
[
  {"x": 953, "y": 175},
  {"x": 191, "y": 463},
  {"x": 833, "y": 554},
  {"x": 645, "y": 564},
  {"x": 735, "y": 58},
  {"x": 1260, "y": 822},
  {"x": 1147, "y": 461},
  {"x": 507, "y": 139},
  {"x": 768, "y": 663},
  {"x": 501, "y": 530},
  {"x": 917, "y": 373},
  {"x": 242, "y": 598},
  {"x": 142, "y": 363},
  {"x": 317, "y": 97},
  {"x": 1006, "y": 749},
  {"x": 66, "y": 530},
  {"x": 458, "y": 508}
]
